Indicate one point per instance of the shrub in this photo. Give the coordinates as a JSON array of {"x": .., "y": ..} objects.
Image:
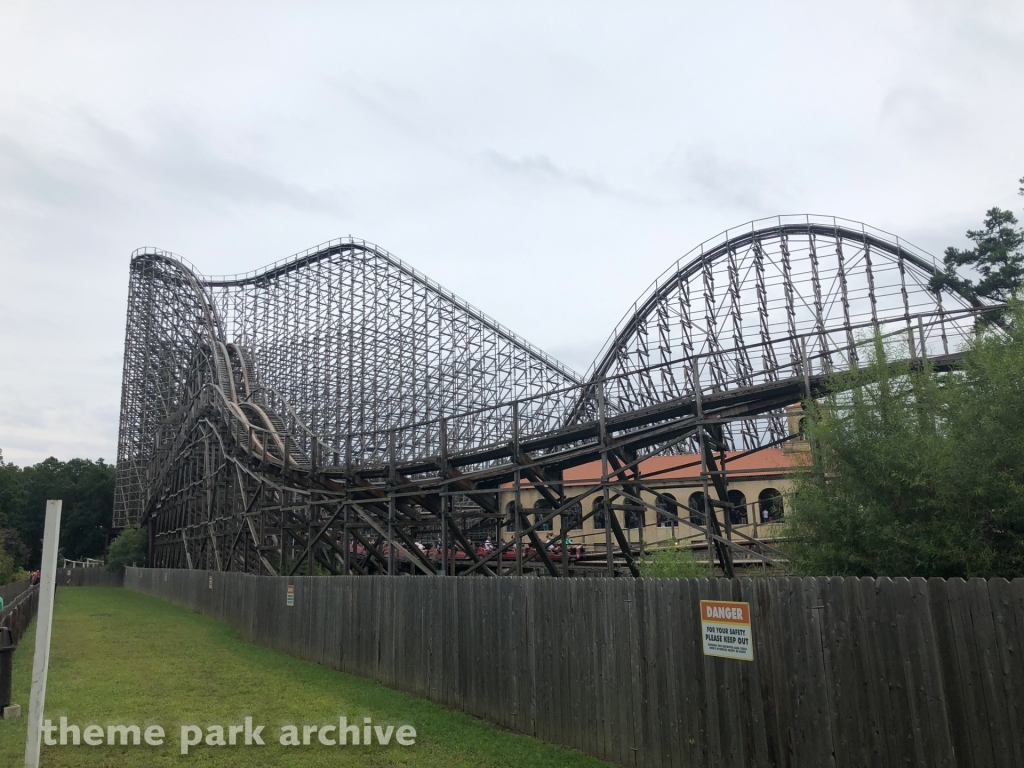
[
  {"x": 917, "y": 473},
  {"x": 673, "y": 563},
  {"x": 129, "y": 548}
]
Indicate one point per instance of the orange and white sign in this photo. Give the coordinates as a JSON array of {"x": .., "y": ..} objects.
[{"x": 726, "y": 628}]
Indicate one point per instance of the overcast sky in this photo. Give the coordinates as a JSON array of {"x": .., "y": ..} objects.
[{"x": 545, "y": 161}]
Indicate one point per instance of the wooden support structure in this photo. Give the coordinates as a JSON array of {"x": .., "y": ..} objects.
[{"x": 340, "y": 411}]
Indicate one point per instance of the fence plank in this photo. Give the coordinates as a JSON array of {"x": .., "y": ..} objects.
[
  {"x": 621, "y": 681},
  {"x": 599, "y": 658},
  {"x": 873, "y": 642},
  {"x": 970, "y": 675},
  {"x": 983, "y": 641},
  {"x": 931, "y": 721},
  {"x": 587, "y": 668},
  {"x": 780, "y": 698},
  {"x": 695, "y": 700},
  {"x": 900, "y": 707},
  {"x": 1007, "y": 605},
  {"x": 854, "y": 710},
  {"x": 662, "y": 745},
  {"x": 749, "y": 705}
]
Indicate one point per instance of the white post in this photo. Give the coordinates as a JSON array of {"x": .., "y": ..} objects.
[{"x": 44, "y": 621}]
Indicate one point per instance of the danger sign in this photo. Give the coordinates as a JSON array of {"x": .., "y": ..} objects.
[{"x": 726, "y": 628}]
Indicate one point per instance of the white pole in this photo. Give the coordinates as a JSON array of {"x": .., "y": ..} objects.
[{"x": 44, "y": 621}]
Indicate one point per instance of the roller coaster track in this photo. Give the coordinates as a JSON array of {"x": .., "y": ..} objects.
[{"x": 338, "y": 408}]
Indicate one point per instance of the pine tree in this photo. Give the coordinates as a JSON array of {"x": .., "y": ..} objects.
[{"x": 997, "y": 257}]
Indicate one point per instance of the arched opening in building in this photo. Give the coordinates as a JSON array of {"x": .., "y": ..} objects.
[
  {"x": 542, "y": 507},
  {"x": 598, "y": 509},
  {"x": 510, "y": 515},
  {"x": 738, "y": 513},
  {"x": 770, "y": 502},
  {"x": 636, "y": 516},
  {"x": 666, "y": 503},
  {"x": 696, "y": 504},
  {"x": 572, "y": 518}
]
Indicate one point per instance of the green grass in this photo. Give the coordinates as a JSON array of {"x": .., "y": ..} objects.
[{"x": 118, "y": 657}]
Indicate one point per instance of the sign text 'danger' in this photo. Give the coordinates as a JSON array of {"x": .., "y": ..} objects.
[{"x": 718, "y": 610}]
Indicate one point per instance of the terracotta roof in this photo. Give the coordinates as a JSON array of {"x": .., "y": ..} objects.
[{"x": 767, "y": 461}]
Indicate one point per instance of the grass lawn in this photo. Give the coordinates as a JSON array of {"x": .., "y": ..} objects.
[{"x": 118, "y": 657}]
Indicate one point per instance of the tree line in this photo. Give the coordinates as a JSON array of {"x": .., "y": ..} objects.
[{"x": 87, "y": 490}]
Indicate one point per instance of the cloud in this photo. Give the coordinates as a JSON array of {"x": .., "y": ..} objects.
[
  {"x": 391, "y": 116},
  {"x": 184, "y": 165},
  {"x": 30, "y": 175},
  {"x": 539, "y": 169},
  {"x": 107, "y": 168},
  {"x": 708, "y": 178},
  {"x": 918, "y": 111}
]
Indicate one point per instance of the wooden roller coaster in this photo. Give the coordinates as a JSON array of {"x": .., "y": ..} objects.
[{"x": 339, "y": 412}]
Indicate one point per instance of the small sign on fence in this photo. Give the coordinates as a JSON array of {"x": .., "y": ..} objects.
[
  {"x": 211, "y": 582},
  {"x": 290, "y": 598},
  {"x": 726, "y": 628}
]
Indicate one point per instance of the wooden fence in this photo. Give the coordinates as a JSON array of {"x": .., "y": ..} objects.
[
  {"x": 19, "y": 612},
  {"x": 89, "y": 577},
  {"x": 10, "y": 591},
  {"x": 846, "y": 672}
]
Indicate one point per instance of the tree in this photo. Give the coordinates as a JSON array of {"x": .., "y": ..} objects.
[
  {"x": 7, "y": 566},
  {"x": 129, "y": 548},
  {"x": 13, "y": 498},
  {"x": 87, "y": 490},
  {"x": 673, "y": 563},
  {"x": 84, "y": 526},
  {"x": 13, "y": 555},
  {"x": 997, "y": 256},
  {"x": 9, "y": 570},
  {"x": 917, "y": 473}
]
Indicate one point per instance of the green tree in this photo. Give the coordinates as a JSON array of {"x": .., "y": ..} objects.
[
  {"x": 6, "y": 567},
  {"x": 673, "y": 563},
  {"x": 917, "y": 473},
  {"x": 129, "y": 548},
  {"x": 12, "y": 499},
  {"x": 13, "y": 555},
  {"x": 997, "y": 257},
  {"x": 87, "y": 490},
  {"x": 84, "y": 527}
]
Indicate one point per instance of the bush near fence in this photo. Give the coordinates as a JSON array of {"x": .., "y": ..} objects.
[{"x": 846, "y": 672}]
